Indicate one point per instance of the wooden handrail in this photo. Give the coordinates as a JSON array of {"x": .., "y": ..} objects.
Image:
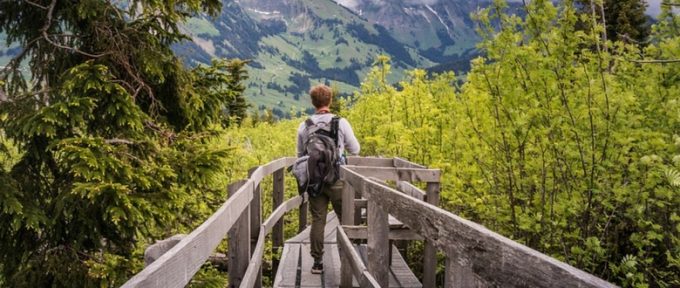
[
  {"x": 256, "y": 260},
  {"x": 411, "y": 190},
  {"x": 178, "y": 265},
  {"x": 397, "y": 174},
  {"x": 351, "y": 258},
  {"x": 475, "y": 254}
]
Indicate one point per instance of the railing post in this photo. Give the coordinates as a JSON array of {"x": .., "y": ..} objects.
[
  {"x": 348, "y": 205},
  {"x": 255, "y": 222},
  {"x": 430, "y": 251},
  {"x": 277, "y": 232},
  {"x": 378, "y": 242},
  {"x": 347, "y": 219},
  {"x": 458, "y": 271},
  {"x": 239, "y": 242}
]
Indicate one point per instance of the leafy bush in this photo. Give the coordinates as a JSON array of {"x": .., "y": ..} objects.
[{"x": 557, "y": 140}]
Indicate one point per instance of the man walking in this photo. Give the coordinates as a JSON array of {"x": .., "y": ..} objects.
[{"x": 321, "y": 96}]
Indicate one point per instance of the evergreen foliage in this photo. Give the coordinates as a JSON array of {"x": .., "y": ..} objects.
[
  {"x": 107, "y": 140},
  {"x": 557, "y": 140},
  {"x": 625, "y": 20}
]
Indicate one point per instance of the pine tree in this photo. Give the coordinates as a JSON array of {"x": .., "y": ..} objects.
[
  {"x": 625, "y": 20},
  {"x": 111, "y": 129}
]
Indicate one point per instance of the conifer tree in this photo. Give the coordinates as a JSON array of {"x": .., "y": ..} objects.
[
  {"x": 111, "y": 130},
  {"x": 624, "y": 19}
]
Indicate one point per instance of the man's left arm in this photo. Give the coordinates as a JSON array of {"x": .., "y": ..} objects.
[{"x": 351, "y": 143}]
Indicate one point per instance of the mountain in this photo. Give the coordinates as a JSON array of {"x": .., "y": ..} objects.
[
  {"x": 293, "y": 44},
  {"x": 441, "y": 30}
]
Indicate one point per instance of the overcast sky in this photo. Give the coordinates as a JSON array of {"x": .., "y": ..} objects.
[{"x": 654, "y": 7}]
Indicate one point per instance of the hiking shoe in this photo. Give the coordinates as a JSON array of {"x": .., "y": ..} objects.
[{"x": 317, "y": 268}]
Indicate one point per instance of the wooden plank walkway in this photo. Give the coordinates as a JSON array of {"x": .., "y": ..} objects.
[{"x": 296, "y": 262}]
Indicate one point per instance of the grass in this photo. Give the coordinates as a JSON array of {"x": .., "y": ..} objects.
[{"x": 200, "y": 26}]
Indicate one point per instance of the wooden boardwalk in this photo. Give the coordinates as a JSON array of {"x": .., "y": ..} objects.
[
  {"x": 296, "y": 262},
  {"x": 474, "y": 255}
]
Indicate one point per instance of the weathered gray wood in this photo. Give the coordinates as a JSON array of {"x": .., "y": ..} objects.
[
  {"x": 307, "y": 278},
  {"x": 176, "y": 267},
  {"x": 346, "y": 274},
  {"x": 256, "y": 214},
  {"x": 403, "y": 163},
  {"x": 458, "y": 272},
  {"x": 398, "y": 174},
  {"x": 254, "y": 272},
  {"x": 360, "y": 203},
  {"x": 361, "y": 232},
  {"x": 370, "y": 161},
  {"x": 287, "y": 272},
  {"x": 278, "y": 189},
  {"x": 496, "y": 259},
  {"x": 378, "y": 243},
  {"x": 429, "y": 251},
  {"x": 400, "y": 273},
  {"x": 347, "y": 219},
  {"x": 411, "y": 190},
  {"x": 329, "y": 231},
  {"x": 258, "y": 173},
  {"x": 368, "y": 281},
  {"x": 255, "y": 206},
  {"x": 351, "y": 261},
  {"x": 155, "y": 251},
  {"x": 159, "y": 248},
  {"x": 239, "y": 242},
  {"x": 331, "y": 265},
  {"x": 347, "y": 205},
  {"x": 354, "y": 180},
  {"x": 277, "y": 215}
]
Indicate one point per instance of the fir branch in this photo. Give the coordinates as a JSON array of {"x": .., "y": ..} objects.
[
  {"x": 115, "y": 141},
  {"x": 48, "y": 24},
  {"x": 36, "y": 4}
]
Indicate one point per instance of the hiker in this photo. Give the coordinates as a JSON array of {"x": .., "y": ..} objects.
[{"x": 345, "y": 141}]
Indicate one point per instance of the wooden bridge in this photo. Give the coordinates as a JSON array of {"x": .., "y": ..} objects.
[{"x": 379, "y": 193}]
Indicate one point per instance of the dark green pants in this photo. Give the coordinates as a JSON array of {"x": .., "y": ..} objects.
[{"x": 318, "y": 206}]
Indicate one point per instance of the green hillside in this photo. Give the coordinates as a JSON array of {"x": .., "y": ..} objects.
[{"x": 297, "y": 44}]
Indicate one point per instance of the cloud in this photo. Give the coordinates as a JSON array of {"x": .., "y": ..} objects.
[{"x": 351, "y": 4}]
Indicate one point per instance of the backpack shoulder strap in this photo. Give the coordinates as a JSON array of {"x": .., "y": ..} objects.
[
  {"x": 309, "y": 122},
  {"x": 335, "y": 123}
]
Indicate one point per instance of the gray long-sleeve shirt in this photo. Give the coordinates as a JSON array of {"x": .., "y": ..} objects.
[{"x": 346, "y": 139}]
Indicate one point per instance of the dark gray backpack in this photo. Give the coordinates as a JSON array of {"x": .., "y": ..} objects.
[{"x": 321, "y": 146}]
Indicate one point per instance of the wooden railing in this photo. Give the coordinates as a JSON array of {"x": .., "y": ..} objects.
[
  {"x": 475, "y": 256},
  {"x": 240, "y": 216}
]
